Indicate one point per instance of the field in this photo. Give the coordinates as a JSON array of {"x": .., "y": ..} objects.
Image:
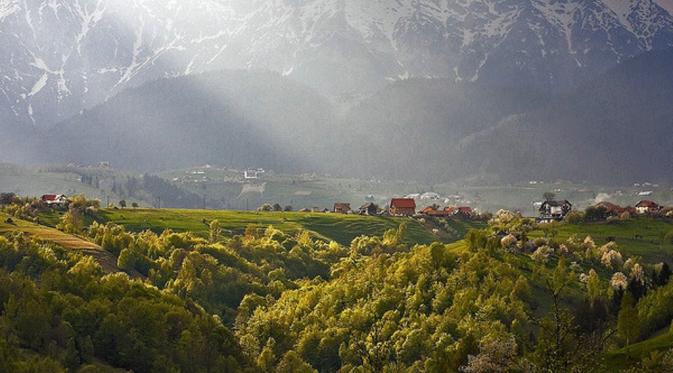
[
  {"x": 642, "y": 237},
  {"x": 340, "y": 228},
  {"x": 43, "y": 233},
  {"x": 626, "y": 356},
  {"x": 51, "y": 235}
]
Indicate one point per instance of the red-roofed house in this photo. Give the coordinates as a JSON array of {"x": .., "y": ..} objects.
[
  {"x": 402, "y": 207},
  {"x": 466, "y": 212},
  {"x": 54, "y": 199},
  {"x": 647, "y": 207}
]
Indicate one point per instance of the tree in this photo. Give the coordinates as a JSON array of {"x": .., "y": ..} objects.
[
  {"x": 498, "y": 355},
  {"x": 134, "y": 205},
  {"x": 71, "y": 222},
  {"x": 292, "y": 363},
  {"x": 594, "y": 288},
  {"x": 662, "y": 273},
  {"x": 277, "y": 207},
  {"x": 628, "y": 322},
  {"x": 549, "y": 196},
  {"x": 122, "y": 203},
  {"x": 265, "y": 207},
  {"x": 215, "y": 230}
]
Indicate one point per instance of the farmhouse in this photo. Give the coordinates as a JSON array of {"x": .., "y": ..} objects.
[
  {"x": 369, "y": 209},
  {"x": 434, "y": 210},
  {"x": 611, "y": 209},
  {"x": 342, "y": 208},
  {"x": 54, "y": 199},
  {"x": 402, "y": 207},
  {"x": 554, "y": 210},
  {"x": 464, "y": 212},
  {"x": 646, "y": 207}
]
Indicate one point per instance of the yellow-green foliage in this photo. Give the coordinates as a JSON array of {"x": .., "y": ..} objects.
[{"x": 427, "y": 308}]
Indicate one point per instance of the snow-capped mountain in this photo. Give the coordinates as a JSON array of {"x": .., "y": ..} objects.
[{"x": 60, "y": 57}]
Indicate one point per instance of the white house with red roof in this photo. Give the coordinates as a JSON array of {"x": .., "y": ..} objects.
[
  {"x": 645, "y": 207},
  {"x": 55, "y": 199}
]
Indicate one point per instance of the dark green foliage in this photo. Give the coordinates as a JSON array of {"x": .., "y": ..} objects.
[{"x": 66, "y": 308}]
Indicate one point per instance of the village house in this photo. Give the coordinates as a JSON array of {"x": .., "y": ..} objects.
[
  {"x": 464, "y": 212},
  {"x": 402, "y": 207},
  {"x": 610, "y": 208},
  {"x": 54, "y": 199},
  {"x": 436, "y": 211},
  {"x": 342, "y": 208},
  {"x": 554, "y": 211},
  {"x": 647, "y": 207},
  {"x": 369, "y": 209}
]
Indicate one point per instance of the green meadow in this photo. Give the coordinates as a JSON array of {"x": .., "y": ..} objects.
[
  {"x": 340, "y": 228},
  {"x": 642, "y": 237}
]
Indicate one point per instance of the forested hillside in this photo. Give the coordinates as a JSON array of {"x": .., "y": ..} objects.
[
  {"x": 618, "y": 126},
  {"x": 515, "y": 296}
]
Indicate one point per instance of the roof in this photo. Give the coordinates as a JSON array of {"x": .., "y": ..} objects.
[
  {"x": 343, "y": 206},
  {"x": 557, "y": 203},
  {"x": 49, "y": 197},
  {"x": 404, "y": 203},
  {"x": 609, "y": 206},
  {"x": 465, "y": 210},
  {"x": 647, "y": 203}
]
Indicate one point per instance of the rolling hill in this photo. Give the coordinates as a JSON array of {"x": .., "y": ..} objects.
[
  {"x": 67, "y": 241},
  {"x": 340, "y": 228}
]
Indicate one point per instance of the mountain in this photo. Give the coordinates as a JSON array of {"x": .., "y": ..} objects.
[
  {"x": 407, "y": 130},
  {"x": 614, "y": 129},
  {"x": 62, "y": 57},
  {"x": 234, "y": 118}
]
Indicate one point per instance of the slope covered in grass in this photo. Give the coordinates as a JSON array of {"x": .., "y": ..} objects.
[
  {"x": 642, "y": 237},
  {"x": 51, "y": 235},
  {"x": 340, "y": 228}
]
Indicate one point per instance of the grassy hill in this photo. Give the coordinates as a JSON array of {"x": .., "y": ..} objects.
[
  {"x": 340, "y": 228},
  {"x": 629, "y": 355},
  {"x": 51, "y": 235},
  {"x": 642, "y": 237}
]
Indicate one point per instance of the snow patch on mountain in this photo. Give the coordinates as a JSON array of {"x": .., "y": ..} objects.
[{"x": 60, "y": 57}]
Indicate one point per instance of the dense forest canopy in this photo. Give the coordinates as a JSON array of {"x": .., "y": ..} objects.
[{"x": 510, "y": 297}]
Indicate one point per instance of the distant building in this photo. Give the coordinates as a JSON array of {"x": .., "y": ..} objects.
[
  {"x": 430, "y": 195},
  {"x": 647, "y": 207},
  {"x": 54, "y": 199},
  {"x": 464, "y": 212},
  {"x": 554, "y": 210},
  {"x": 369, "y": 209},
  {"x": 342, "y": 208},
  {"x": 402, "y": 207},
  {"x": 436, "y": 211},
  {"x": 251, "y": 174},
  {"x": 611, "y": 209}
]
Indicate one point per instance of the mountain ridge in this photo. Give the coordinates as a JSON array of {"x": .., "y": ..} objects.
[{"x": 69, "y": 56}]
